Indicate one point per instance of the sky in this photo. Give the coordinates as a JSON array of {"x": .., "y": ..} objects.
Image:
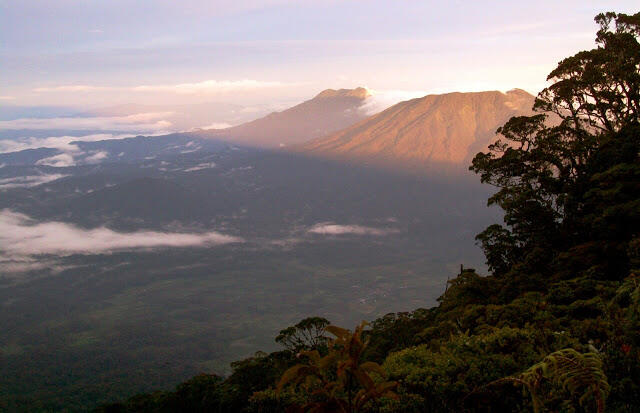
[{"x": 92, "y": 53}]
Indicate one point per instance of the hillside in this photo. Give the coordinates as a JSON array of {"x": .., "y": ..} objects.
[
  {"x": 329, "y": 111},
  {"x": 448, "y": 128}
]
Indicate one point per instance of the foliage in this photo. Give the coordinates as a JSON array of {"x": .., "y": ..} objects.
[
  {"x": 306, "y": 335},
  {"x": 580, "y": 374},
  {"x": 269, "y": 400},
  {"x": 551, "y": 165},
  {"x": 395, "y": 331},
  {"x": 199, "y": 394},
  {"x": 339, "y": 381},
  {"x": 445, "y": 376}
]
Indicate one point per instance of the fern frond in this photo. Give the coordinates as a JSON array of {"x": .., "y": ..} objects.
[{"x": 580, "y": 374}]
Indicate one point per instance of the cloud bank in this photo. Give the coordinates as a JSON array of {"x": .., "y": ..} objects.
[
  {"x": 328, "y": 228},
  {"x": 63, "y": 143},
  {"x": 204, "y": 87},
  {"x": 21, "y": 238},
  {"x": 70, "y": 152},
  {"x": 71, "y": 88},
  {"x": 209, "y": 86},
  {"x": 139, "y": 122}
]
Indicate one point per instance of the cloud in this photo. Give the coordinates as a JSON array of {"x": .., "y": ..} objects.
[
  {"x": 65, "y": 144},
  {"x": 62, "y": 143},
  {"x": 6, "y": 97},
  {"x": 328, "y": 228},
  {"x": 73, "y": 88},
  {"x": 20, "y": 264},
  {"x": 139, "y": 122},
  {"x": 201, "y": 166},
  {"x": 380, "y": 100},
  {"x": 28, "y": 181},
  {"x": 220, "y": 125},
  {"x": 210, "y": 86},
  {"x": 21, "y": 238},
  {"x": 96, "y": 157},
  {"x": 61, "y": 160}
]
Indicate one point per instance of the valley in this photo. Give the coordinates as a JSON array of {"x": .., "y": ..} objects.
[{"x": 307, "y": 236}]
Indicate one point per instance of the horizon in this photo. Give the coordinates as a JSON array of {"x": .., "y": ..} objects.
[{"x": 279, "y": 53}]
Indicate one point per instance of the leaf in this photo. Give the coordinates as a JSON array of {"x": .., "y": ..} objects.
[
  {"x": 295, "y": 374},
  {"x": 580, "y": 374},
  {"x": 371, "y": 366}
]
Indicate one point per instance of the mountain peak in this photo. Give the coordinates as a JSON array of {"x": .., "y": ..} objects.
[
  {"x": 359, "y": 92},
  {"x": 445, "y": 129},
  {"x": 328, "y": 112}
]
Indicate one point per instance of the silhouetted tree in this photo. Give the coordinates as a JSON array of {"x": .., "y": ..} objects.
[
  {"x": 547, "y": 165},
  {"x": 306, "y": 335}
]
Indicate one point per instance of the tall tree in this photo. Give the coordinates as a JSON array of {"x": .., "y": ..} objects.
[
  {"x": 308, "y": 334},
  {"x": 545, "y": 165}
]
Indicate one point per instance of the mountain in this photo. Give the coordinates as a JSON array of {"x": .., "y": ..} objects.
[
  {"x": 329, "y": 111},
  {"x": 435, "y": 129}
]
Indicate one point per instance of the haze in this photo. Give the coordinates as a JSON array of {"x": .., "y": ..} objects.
[{"x": 79, "y": 53}]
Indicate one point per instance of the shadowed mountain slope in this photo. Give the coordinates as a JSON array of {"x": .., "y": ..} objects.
[{"x": 330, "y": 111}]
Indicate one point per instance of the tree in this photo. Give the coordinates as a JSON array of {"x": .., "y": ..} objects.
[
  {"x": 544, "y": 165},
  {"x": 306, "y": 335}
]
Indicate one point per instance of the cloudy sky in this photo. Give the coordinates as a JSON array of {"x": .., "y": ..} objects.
[{"x": 81, "y": 52}]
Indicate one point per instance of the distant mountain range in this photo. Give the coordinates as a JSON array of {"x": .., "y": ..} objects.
[
  {"x": 443, "y": 129},
  {"x": 329, "y": 111}
]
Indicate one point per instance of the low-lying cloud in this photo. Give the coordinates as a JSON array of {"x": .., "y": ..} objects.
[
  {"x": 139, "y": 122},
  {"x": 70, "y": 154},
  {"x": 329, "y": 228},
  {"x": 96, "y": 157},
  {"x": 63, "y": 143},
  {"x": 201, "y": 166},
  {"x": 71, "y": 158},
  {"x": 28, "y": 181},
  {"x": 215, "y": 125},
  {"x": 21, "y": 238},
  {"x": 383, "y": 99},
  {"x": 61, "y": 160}
]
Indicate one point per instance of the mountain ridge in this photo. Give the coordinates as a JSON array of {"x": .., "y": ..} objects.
[{"x": 446, "y": 128}]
